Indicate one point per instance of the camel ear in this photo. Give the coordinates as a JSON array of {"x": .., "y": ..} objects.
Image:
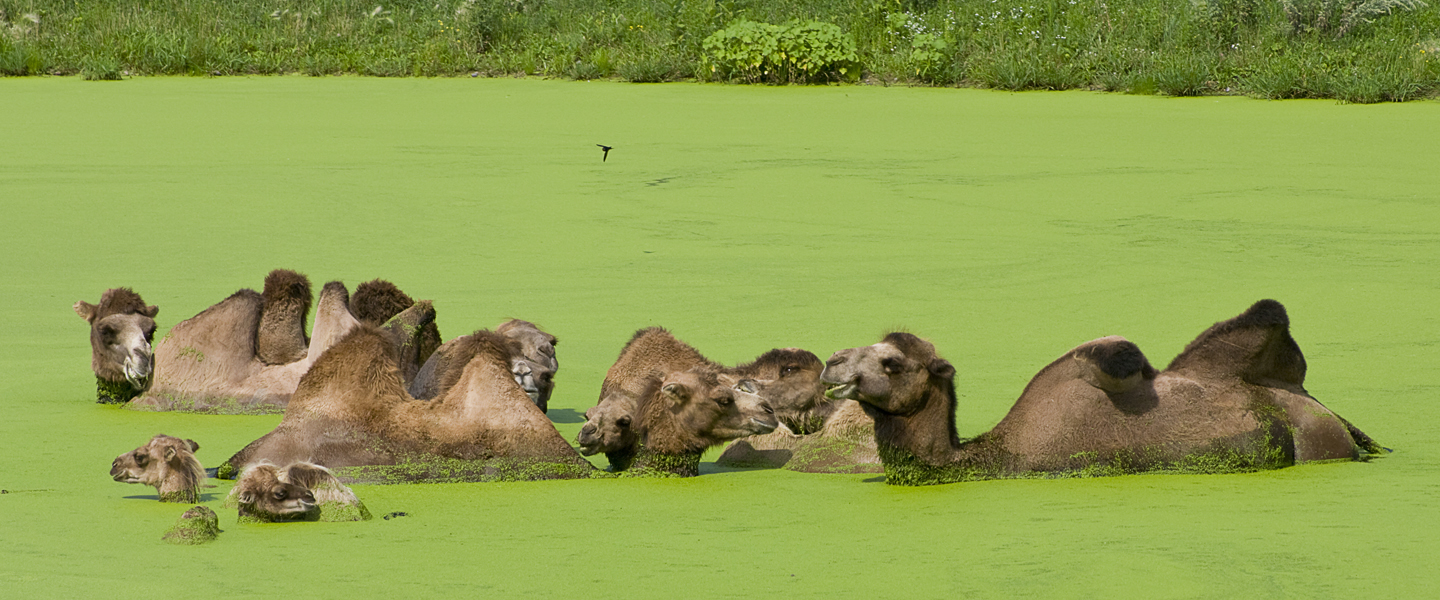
[
  {"x": 85, "y": 309},
  {"x": 151, "y": 311},
  {"x": 1255, "y": 346},
  {"x": 170, "y": 454},
  {"x": 247, "y": 497},
  {"x": 678, "y": 393},
  {"x": 747, "y": 386},
  {"x": 942, "y": 368},
  {"x": 1113, "y": 364},
  {"x": 193, "y": 446}
]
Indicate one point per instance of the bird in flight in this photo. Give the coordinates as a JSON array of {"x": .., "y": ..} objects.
[{"x": 606, "y": 149}]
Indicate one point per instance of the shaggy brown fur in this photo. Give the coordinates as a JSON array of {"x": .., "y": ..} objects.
[
  {"x": 352, "y": 410},
  {"x": 652, "y": 352},
  {"x": 168, "y": 464},
  {"x": 688, "y": 411},
  {"x": 122, "y": 328},
  {"x": 280, "y": 338},
  {"x": 533, "y": 363},
  {"x": 376, "y": 302},
  {"x": 789, "y": 379},
  {"x": 264, "y": 495},
  {"x": 300, "y": 482},
  {"x": 209, "y": 363},
  {"x": 1233, "y": 400}
]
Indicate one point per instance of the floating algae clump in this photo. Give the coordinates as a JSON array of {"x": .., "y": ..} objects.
[{"x": 197, "y": 526}]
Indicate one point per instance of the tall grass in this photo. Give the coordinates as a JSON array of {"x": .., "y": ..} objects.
[{"x": 1353, "y": 50}]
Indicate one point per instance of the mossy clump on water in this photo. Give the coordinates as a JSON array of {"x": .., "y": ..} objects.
[{"x": 197, "y": 526}]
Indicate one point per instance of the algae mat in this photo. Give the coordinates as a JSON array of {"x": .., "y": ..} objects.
[{"x": 1007, "y": 228}]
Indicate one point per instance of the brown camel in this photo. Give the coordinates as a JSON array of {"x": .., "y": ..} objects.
[
  {"x": 299, "y": 492},
  {"x": 845, "y": 443},
  {"x": 376, "y": 302},
  {"x": 168, "y": 464},
  {"x": 786, "y": 380},
  {"x": 680, "y": 415},
  {"x": 225, "y": 359},
  {"x": 352, "y": 414},
  {"x": 1233, "y": 401},
  {"x": 534, "y": 368},
  {"x": 652, "y": 352},
  {"x": 121, "y": 330}
]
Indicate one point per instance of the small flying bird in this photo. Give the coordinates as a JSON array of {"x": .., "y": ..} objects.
[{"x": 607, "y": 150}]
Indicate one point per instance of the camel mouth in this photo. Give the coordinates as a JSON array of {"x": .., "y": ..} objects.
[
  {"x": 762, "y": 426},
  {"x": 588, "y": 449},
  {"x": 126, "y": 478},
  {"x": 841, "y": 391}
]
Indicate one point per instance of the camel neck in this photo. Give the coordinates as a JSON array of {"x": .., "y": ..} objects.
[
  {"x": 114, "y": 392},
  {"x": 621, "y": 460},
  {"x": 660, "y": 464}
]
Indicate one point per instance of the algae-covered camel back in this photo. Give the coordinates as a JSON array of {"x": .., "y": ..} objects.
[{"x": 1233, "y": 401}]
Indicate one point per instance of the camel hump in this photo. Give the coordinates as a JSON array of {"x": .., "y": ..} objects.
[
  {"x": 280, "y": 338},
  {"x": 1255, "y": 346},
  {"x": 377, "y": 301},
  {"x": 1113, "y": 364}
]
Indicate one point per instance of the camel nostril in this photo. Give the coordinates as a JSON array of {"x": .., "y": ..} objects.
[{"x": 767, "y": 409}]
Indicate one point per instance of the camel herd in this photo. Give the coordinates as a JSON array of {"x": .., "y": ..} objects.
[{"x": 372, "y": 396}]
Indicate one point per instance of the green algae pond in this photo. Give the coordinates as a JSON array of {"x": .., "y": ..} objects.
[{"x": 1006, "y": 228}]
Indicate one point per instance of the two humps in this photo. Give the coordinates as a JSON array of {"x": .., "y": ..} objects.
[{"x": 1234, "y": 400}]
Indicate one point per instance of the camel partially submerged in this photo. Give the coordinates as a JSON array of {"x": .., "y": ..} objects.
[
  {"x": 844, "y": 443},
  {"x": 352, "y": 414},
  {"x": 534, "y": 368},
  {"x": 1233, "y": 401},
  {"x": 298, "y": 492},
  {"x": 240, "y": 355},
  {"x": 679, "y": 416},
  {"x": 376, "y": 302},
  {"x": 609, "y": 426},
  {"x": 121, "y": 330},
  {"x": 165, "y": 462}
]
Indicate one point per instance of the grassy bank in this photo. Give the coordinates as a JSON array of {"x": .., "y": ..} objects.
[{"x": 1379, "y": 50}]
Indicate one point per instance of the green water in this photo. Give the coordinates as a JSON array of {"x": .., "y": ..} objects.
[{"x": 1006, "y": 228}]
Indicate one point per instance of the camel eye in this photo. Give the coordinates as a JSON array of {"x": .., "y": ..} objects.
[
  {"x": 891, "y": 366},
  {"x": 787, "y": 371},
  {"x": 279, "y": 494},
  {"x": 141, "y": 458},
  {"x": 724, "y": 401},
  {"x": 623, "y": 421}
]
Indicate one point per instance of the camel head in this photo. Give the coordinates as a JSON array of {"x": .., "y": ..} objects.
[
  {"x": 789, "y": 380},
  {"x": 535, "y": 367},
  {"x": 892, "y": 376},
  {"x": 121, "y": 330},
  {"x": 165, "y": 462},
  {"x": 709, "y": 408},
  {"x": 607, "y": 428},
  {"x": 264, "y": 496}
]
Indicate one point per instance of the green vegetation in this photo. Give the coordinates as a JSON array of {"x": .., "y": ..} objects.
[
  {"x": 114, "y": 392},
  {"x": 1354, "y": 50},
  {"x": 657, "y": 464},
  {"x": 197, "y": 526}
]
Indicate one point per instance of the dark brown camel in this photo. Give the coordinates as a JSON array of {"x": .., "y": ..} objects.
[{"x": 1233, "y": 401}]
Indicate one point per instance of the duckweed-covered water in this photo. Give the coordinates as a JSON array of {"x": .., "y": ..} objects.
[{"x": 1006, "y": 228}]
